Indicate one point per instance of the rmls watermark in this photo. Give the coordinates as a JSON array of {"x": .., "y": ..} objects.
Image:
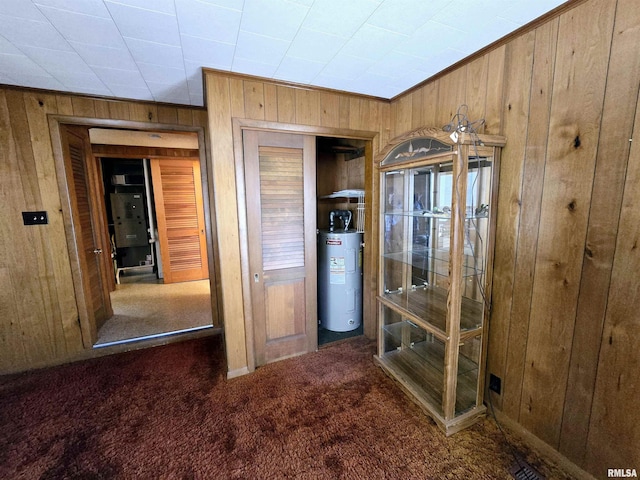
[{"x": 622, "y": 473}]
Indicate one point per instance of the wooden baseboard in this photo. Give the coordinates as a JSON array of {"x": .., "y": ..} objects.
[
  {"x": 544, "y": 449},
  {"x": 237, "y": 372},
  {"x": 93, "y": 352}
]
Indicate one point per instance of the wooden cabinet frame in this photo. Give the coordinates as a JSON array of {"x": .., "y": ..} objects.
[{"x": 424, "y": 327}]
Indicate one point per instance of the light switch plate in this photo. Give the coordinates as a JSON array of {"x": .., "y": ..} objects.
[{"x": 35, "y": 218}]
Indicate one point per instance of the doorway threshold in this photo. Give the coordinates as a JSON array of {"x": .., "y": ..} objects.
[{"x": 151, "y": 337}]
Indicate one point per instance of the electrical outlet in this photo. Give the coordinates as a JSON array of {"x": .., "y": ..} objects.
[
  {"x": 35, "y": 218},
  {"x": 495, "y": 383}
]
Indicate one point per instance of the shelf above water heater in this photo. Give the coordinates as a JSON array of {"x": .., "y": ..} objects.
[{"x": 351, "y": 194}]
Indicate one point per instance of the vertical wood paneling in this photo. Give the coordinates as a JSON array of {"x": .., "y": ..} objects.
[
  {"x": 518, "y": 66},
  {"x": 370, "y": 265},
  {"x": 356, "y": 106},
  {"x": 541, "y": 81},
  {"x": 219, "y": 98},
  {"x": 56, "y": 258},
  {"x": 613, "y": 152},
  {"x": 83, "y": 107},
  {"x": 495, "y": 89},
  {"x": 23, "y": 152},
  {"x": 12, "y": 348},
  {"x": 11, "y": 345},
  {"x": 167, "y": 115},
  {"x": 65, "y": 106},
  {"x": 307, "y": 107},
  {"x": 345, "y": 105},
  {"x": 367, "y": 114},
  {"x": 119, "y": 110},
  {"x": 430, "y": 103},
  {"x": 614, "y": 433},
  {"x": 200, "y": 118},
  {"x": 559, "y": 203},
  {"x": 101, "y": 108},
  {"x": 451, "y": 95},
  {"x": 43, "y": 290},
  {"x": 22, "y": 253},
  {"x": 329, "y": 109},
  {"x": 141, "y": 112},
  {"x": 286, "y": 105},
  {"x": 476, "y": 88},
  {"x": 379, "y": 115},
  {"x": 236, "y": 98},
  {"x": 185, "y": 116},
  {"x": 254, "y": 100},
  {"x": 270, "y": 102},
  {"x": 584, "y": 40},
  {"x": 401, "y": 115},
  {"x": 417, "y": 110}
]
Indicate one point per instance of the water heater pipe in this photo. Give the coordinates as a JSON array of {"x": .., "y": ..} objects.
[{"x": 344, "y": 215}]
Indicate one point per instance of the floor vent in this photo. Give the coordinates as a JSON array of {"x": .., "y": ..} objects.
[{"x": 523, "y": 471}]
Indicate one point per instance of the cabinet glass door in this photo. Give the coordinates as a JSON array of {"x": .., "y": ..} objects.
[
  {"x": 417, "y": 244},
  {"x": 476, "y": 242},
  {"x": 417, "y": 228}
]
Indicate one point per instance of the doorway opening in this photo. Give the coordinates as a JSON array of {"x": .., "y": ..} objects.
[
  {"x": 340, "y": 183},
  {"x": 146, "y": 305},
  {"x": 152, "y": 275}
]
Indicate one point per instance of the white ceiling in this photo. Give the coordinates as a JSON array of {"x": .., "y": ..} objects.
[{"x": 154, "y": 49}]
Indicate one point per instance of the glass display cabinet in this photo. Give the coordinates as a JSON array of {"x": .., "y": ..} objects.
[{"x": 438, "y": 193}]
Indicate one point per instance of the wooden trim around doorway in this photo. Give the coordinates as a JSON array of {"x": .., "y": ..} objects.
[
  {"x": 240, "y": 124},
  {"x": 55, "y": 126}
]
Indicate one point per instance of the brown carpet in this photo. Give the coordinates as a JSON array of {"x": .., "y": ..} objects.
[{"x": 169, "y": 412}]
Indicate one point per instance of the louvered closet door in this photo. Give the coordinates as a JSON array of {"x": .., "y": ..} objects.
[
  {"x": 280, "y": 192},
  {"x": 177, "y": 191}
]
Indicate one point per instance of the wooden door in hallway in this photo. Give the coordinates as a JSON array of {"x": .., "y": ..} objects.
[
  {"x": 94, "y": 303},
  {"x": 177, "y": 189},
  {"x": 281, "y": 192}
]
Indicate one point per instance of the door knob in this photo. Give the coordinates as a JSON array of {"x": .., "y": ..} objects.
[{"x": 97, "y": 251}]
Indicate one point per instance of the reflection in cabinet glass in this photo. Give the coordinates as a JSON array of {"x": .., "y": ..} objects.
[{"x": 436, "y": 243}]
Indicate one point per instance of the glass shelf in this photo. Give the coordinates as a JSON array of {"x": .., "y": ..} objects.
[
  {"x": 430, "y": 304},
  {"x": 407, "y": 334},
  {"x": 425, "y": 214},
  {"x": 420, "y": 357},
  {"x": 432, "y": 260}
]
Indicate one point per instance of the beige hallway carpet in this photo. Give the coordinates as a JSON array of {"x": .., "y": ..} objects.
[{"x": 148, "y": 309}]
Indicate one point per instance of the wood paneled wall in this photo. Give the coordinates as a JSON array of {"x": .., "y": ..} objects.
[
  {"x": 565, "y": 320},
  {"x": 38, "y": 314},
  {"x": 334, "y": 173},
  {"x": 314, "y": 111}
]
